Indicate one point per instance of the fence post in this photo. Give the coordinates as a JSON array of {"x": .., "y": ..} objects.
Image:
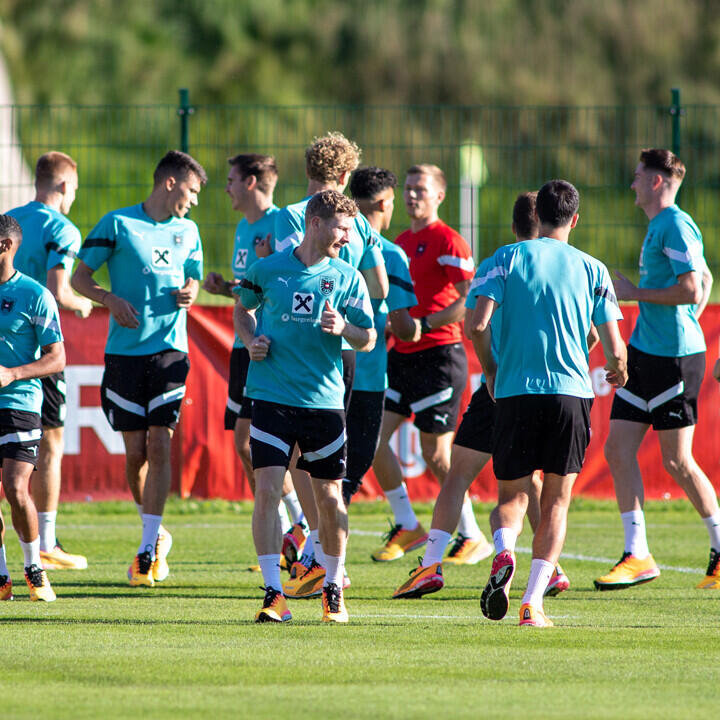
[
  {"x": 185, "y": 111},
  {"x": 676, "y": 111}
]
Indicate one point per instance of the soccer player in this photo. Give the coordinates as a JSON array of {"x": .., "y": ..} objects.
[
  {"x": 32, "y": 348},
  {"x": 50, "y": 244},
  {"x": 373, "y": 189},
  {"x": 250, "y": 185},
  {"x": 309, "y": 301},
  {"x": 329, "y": 161},
  {"x": 666, "y": 364},
  {"x": 550, "y": 294},
  {"x": 154, "y": 259},
  {"x": 426, "y": 377}
]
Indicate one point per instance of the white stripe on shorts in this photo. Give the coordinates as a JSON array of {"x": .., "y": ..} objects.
[
  {"x": 121, "y": 402},
  {"x": 167, "y": 397},
  {"x": 268, "y": 439},
  {"x": 326, "y": 451},
  {"x": 232, "y": 406},
  {"x": 632, "y": 399},
  {"x": 431, "y": 400},
  {"x": 21, "y": 436},
  {"x": 393, "y": 395},
  {"x": 668, "y": 394}
]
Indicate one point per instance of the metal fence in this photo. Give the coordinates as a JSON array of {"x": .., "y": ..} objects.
[{"x": 489, "y": 155}]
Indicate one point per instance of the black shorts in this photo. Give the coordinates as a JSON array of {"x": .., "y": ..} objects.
[
  {"x": 660, "y": 391},
  {"x": 320, "y": 435},
  {"x": 138, "y": 391},
  {"x": 429, "y": 384},
  {"x": 476, "y": 427},
  {"x": 540, "y": 432},
  {"x": 52, "y": 414},
  {"x": 348, "y": 363},
  {"x": 238, "y": 406},
  {"x": 20, "y": 434},
  {"x": 363, "y": 431}
]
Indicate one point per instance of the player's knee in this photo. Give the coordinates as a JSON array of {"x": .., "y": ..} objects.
[
  {"x": 16, "y": 492},
  {"x": 679, "y": 468}
]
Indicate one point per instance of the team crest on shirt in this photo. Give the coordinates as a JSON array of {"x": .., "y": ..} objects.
[
  {"x": 7, "y": 304},
  {"x": 241, "y": 257},
  {"x": 421, "y": 249},
  {"x": 161, "y": 257},
  {"x": 327, "y": 285}
]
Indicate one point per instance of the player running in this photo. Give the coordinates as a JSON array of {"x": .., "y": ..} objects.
[
  {"x": 31, "y": 347},
  {"x": 550, "y": 294},
  {"x": 50, "y": 244},
  {"x": 426, "y": 377},
  {"x": 373, "y": 189},
  {"x": 666, "y": 364},
  {"x": 309, "y": 301},
  {"x": 154, "y": 257}
]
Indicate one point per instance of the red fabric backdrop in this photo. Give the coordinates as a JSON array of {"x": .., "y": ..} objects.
[{"x": 204, "y": 460}]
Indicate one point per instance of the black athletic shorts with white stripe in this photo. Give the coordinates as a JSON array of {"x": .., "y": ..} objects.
[
  {"x": 429, "y": 384},
  {"x": 238, "y": 406},
  {"x": 660, "y": 391},
  {"x": 476, "y": 427},
  {"x": 320, "y": 435},
  {"x": 138, "y": 391},
  {"x": 540, "y": 432},
  {"x": 52, "y": 414},
  {"x": 20, "y": 434}
]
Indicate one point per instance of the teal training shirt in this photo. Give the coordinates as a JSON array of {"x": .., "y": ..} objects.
[
  {"x": 371, "y": 368},
  {"x": 550, "y": 293},
  {"x": 147, "y": 260},
  {"x": 303, "y": 367},
  {"x": 49, "y": 240},
  {"x": 673, "y": 246},
  {"x": 29, "y": 320},
  {"x": 247, "y": 236}
]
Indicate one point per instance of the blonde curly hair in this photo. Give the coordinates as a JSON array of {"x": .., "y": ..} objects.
[{"x": 330, "y": 156}]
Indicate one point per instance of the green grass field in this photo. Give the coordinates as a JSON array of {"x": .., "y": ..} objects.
[{"x": 189, "y": 648}]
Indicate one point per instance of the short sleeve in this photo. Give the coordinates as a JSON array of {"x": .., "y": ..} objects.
[
  {"x": 401, "y": 293},
  {"x": 64, "y": 247},
  {"x": 99, "y": 244},
  {"x": 194, "y": 263},
  {"x": 358, "y": 308},
  {"x": 489, "y": 280},
  {"x": 682, "y": 245},
  {"x": 288, "y": 232},
  {"x": 46, "y": 320},
  {"x": 249, "y": 290},
  {"x": 455, "y": 258},
  {"x": 605, "y": 304}
]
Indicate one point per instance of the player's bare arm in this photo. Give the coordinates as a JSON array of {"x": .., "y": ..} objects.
[
  {"x": 264, "y": 248},
  {"x": 124, "y": 313},
  {"x": 58, "y": 285},
  {"x": 244, "y": 323},
  {"x": 216, "y": 284},
  {"x": 377, "y": 281},
  {"x": 51, "y": 361},
  {"x": 707, "y": 282},
  {"x": 187, "y": 294},
  {"x": 593, "y": 338},
  {"x": 481, "y": 336},
  {"x": 454, "y": 312},
  {"x": 615, "y": 353},
  {"x": 688, "y": 290},
  {"x": 333, "y": 323},
  {"x": 404, "y": 326}
]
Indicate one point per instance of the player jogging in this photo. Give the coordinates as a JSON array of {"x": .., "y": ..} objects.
[
  {"x": 550, "y": 294},
  {"x": 666, "y": 364},
  {"x": 154, "y": 258},
  {"x": 31, "y": 347},
  {"x": 50, "y": 244},
  {"x": 309, "y": 301}
]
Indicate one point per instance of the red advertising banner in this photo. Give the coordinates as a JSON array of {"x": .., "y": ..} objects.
[{"x": 204, "y": 459}]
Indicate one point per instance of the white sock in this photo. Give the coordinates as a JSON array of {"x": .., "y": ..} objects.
[
  {"x": 270, "y": 566},
  {"x": 285, "y": 523},
  {"x": 635, "y": 537},
  {"x": 31, "y": 551},
  {"x": 435, "y": 549},
  {"x": 3, "y": 562},
  {"x": 468, "y": 524},
  {"x": 317, "y": 547},
  {"x": 139, "y": 509},
  {"x": 151, "y": 528},
  {"x": 712, "y": 524},
  {"x": 401, "y": 507},
  {"x": 293, "y": 507},
  {"x": 540, "y": 573},
  {"x": 504, "y": 539},
  {"x": 46, "y": 526},
  {"x": 334, "y": 567}
]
